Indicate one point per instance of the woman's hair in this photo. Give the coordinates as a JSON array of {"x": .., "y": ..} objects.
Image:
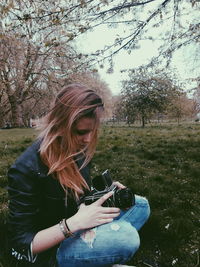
[{"x": 58, "y": 146}]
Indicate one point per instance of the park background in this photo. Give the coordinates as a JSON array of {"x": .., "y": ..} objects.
[{"x": 142, "y": 57}]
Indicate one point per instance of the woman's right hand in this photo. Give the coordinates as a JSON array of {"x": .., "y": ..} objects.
[{"x": 93, "y": 215}]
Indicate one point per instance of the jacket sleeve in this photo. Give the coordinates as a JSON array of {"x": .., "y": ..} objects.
[{"x": 23, "y": 193}]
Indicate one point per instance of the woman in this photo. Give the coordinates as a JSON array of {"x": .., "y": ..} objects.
[{"x": 46, "y": 226}]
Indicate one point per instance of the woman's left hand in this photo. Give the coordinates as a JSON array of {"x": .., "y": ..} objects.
[{"x": 119, "y": 185}]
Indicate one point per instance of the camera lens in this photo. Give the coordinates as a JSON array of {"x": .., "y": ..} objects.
[{"x": 124, "y": 198}]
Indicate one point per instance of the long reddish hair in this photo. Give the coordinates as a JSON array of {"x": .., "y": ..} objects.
[{"x": 58, "y": 146}]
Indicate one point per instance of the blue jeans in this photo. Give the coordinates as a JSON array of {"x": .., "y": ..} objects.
[{"x": 107, "y": 244}]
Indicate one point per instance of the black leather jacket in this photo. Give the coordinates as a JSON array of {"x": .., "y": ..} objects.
[{"x": 36, "y": 201}]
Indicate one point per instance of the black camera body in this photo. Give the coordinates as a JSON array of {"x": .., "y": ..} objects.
[{"x": 121, "y": 198}]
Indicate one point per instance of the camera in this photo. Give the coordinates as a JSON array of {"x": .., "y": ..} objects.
[{"x": 102, "y": 184}]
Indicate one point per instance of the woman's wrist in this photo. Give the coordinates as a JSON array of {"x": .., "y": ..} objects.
[
  {"x": 67, "y": 227},
  {"x": 64, "y": 228},
  {"x": 73, "y": 224}
]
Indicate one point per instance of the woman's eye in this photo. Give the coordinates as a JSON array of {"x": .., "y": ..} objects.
[{"x": 81, "y": 132}]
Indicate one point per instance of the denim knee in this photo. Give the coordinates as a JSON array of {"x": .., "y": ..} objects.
[
  {"x": 144, "y": 203},
  {"x": 127, "y": 240}
]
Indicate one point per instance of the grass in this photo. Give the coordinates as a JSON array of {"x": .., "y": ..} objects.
[{"x": 159, "y": 162}]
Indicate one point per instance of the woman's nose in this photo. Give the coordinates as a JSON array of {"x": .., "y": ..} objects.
[{"x": 87, "y": 137}]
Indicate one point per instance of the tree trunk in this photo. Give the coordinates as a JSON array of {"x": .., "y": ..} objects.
[
  {"x": 2, "y": 119},
  {"x": 143, "y": 121},
  {"x": 16, "y": 111}
]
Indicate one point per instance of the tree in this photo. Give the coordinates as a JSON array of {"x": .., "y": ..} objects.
[
  {"x": 21, "y": 69},
  {"x": 182, "y": 107},
  {"x": 144, "y": 94},
  {"x": 174, "y": 22},
  {"x": 27, "y": 74},
  {"x": 3, "y": 106},
  {"x": 118, "y": 109},
  {"x": 124, "y": 110},
  {"x": 185, "y": 106},
  {"x": 196, "y": 94}
]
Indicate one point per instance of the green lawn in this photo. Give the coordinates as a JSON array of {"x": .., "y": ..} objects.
[{"x": 159, "y": 162}]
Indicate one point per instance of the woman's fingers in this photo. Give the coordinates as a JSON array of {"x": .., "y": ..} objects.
[
  {"x": 110, "y": 215},
  {"x": 100, "y": 201},
  {"x": 107, "y": 210},
  {"x": 119, "y": 185},
  {"x": 110, "y": 210}
]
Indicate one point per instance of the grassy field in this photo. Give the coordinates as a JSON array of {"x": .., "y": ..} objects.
[{"x": 159, "y": 162}]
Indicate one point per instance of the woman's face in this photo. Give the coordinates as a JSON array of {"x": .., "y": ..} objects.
[{"x": 83, "y": 131}]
